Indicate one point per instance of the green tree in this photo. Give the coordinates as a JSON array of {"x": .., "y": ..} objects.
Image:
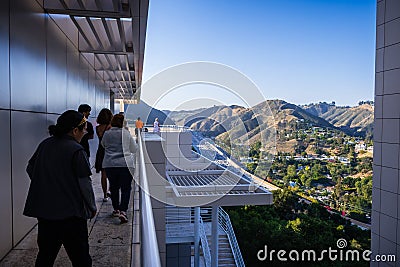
[{"x": 291, "y": 171}]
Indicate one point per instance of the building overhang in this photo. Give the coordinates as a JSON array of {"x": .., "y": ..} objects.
[
  {"x": 111, "y": 36},
  {"x": 216, "y": 187}
]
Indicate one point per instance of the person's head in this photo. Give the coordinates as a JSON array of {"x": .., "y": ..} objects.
[
  {"x": 85, "y": 109},
  {"x": 117, "y": 121},
  {"x": 104, "y": 116},
  {"x": 156, "y": 119},
  {"x": 138, "y": 118},
  {"x": 70, "y": 122}
]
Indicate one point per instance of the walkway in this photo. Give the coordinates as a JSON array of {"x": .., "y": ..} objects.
[{"x": 111, "y": 244}]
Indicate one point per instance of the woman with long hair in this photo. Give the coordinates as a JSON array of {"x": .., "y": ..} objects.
[{"x": 103, "y": 124}]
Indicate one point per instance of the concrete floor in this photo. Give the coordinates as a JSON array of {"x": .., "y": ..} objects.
[{"x": 110, "y": 242}]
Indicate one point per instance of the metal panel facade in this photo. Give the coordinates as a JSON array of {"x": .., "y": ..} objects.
[
  {"x": 4, "y": 55},
  {"x": 5, "y": 188},
  {"x": 42, "y": 74},
  {"x": 23, "y": 147},
  {"x": 385, "y": 192},
  {"x": 56, "y": 69},
  {"x": 73, "y": 94},
  {"x": 27, "y": 56}
]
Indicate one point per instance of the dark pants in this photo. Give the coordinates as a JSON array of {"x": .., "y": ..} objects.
[
  {"x": 137, "y": 129},
  {"x": 120, "y": 178},
  {"x": 72, "y": 233}
]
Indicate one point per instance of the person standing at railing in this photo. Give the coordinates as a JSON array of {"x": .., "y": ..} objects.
[
  {"x": 119, "y": 164},
  {"x": 104, "y": 124},
  {"x": 139, "y": 126},
  {"x": 60, "y": 193},
  {"x": 156, "y": 126}
]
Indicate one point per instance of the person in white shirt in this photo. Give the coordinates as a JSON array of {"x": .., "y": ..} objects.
[
  {"x": 156, "y": 126},
  {"x": 119, "y": 164}
]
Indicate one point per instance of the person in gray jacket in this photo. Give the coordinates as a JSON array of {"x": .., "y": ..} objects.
[
  {"x": 60, "y": 194},
  {"x": 119, "y": 164}
]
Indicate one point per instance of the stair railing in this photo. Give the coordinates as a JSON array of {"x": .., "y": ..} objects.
[
  {"x": 225, "y": 224},
  {"x": 204, "y": 244}
]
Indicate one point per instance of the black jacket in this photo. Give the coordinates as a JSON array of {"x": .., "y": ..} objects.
[
  {"x": 60, "y": 181},
  {"x": 86, "y": 137}
]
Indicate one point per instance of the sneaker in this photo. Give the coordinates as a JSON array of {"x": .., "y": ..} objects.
[
  {"x": 105, "y": 199},
  {"x": 108, "y": 194},
  {"x": 122, "y": 217},
  {"x": 115, "y": 213}
]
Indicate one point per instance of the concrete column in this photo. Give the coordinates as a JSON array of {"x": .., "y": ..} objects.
[
  {"x": 196, "y": 236},
  {"x": 214, "y": 235}
]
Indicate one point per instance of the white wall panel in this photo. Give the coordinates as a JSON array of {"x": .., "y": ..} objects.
[
  {"x": 392, "y": 57},
  {"x": 392, "y": 32},
  {"x": 91, "y": 92},
  {"x": 27, "y": 56},
  {"x": 84, "y": 80},
  {"x": 5, "y": 188},
  {"x": 73, "y": 83},
  {"x": 27, "y": 131},
  {"x": 4, "y": 53},
  {"x": 56, "y": 69},
  {"x": 392, "y": 10}
]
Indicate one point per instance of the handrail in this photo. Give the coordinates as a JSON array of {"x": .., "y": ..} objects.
[
  {"x": 167, "y": 127},
  {"x": 150, "y": 252},
  {"x": 225, "y": 223},
  {"x": 204, "y": 244}
]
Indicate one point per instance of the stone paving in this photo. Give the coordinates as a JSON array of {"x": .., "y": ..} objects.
[{"x": 111, "y": 243}]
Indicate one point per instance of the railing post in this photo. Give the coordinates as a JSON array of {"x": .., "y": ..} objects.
[
  {"x": 196, "y": 236},
  {"x": 214, "y": 230}
]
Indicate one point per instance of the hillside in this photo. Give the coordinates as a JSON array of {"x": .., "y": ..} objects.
[
  {"x": 227, "y": 123},
  {"x": 356, "y": 120},
  {"x": 211, "y": 119}
]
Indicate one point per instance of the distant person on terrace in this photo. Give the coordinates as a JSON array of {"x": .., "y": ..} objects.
[
  {"x": 139, "y": 125},
  {"x": 156, "y": 126}
]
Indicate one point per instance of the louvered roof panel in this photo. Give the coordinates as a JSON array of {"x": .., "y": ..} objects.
[{"x": 105, "y": 29}]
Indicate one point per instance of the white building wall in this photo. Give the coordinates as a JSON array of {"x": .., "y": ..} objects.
[{"x": 385, "y": 194}]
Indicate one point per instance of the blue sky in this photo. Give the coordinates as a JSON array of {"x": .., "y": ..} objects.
[{"x": 300, "y": 51}]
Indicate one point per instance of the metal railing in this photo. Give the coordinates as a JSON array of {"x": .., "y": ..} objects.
[
  {"x": 150, "y": 253},
  {"x": 225, "y": 224},
  {"x": 168, "y": 128},
  {"x": 204, "y": 244}
]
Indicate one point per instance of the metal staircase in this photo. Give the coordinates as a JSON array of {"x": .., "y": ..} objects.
[
  {"x": 225, "y": 255},
  {"x": 180, "y": 227}
]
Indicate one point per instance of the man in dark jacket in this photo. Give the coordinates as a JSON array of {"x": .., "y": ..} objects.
[
  {"x": 85, "y": 109},
  {"x": 60, "y": 194}
]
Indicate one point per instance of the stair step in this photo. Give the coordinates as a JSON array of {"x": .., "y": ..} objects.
[{"x": 220, "y": 262}]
